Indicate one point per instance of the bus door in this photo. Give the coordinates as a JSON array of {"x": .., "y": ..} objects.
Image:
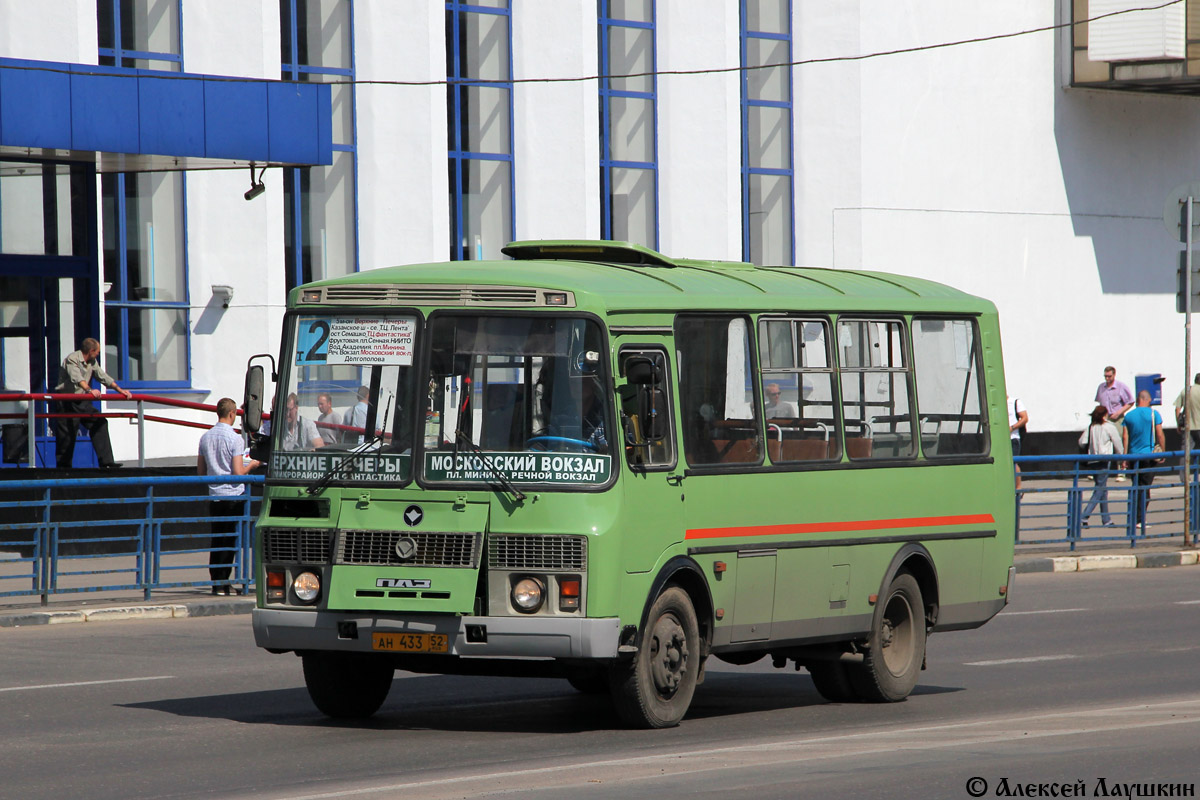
[{"x": 653, "y": 494}]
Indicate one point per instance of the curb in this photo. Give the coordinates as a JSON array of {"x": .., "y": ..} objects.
[
  {"x": 119, "y": 613},
  {"x": 1098, "y": 562}
]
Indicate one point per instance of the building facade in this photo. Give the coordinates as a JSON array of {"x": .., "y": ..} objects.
[{"x": 995, "y": 149}]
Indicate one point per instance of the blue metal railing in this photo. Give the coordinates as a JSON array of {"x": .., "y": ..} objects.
[
  {"x": 1056, "y": 490},
  {"x": 74, "y": 535}
]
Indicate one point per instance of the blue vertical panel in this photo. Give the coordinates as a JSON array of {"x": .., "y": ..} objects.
[
  {"x": 104, "y": 113},
  {"x": 301, "y": 130},
  {"x": 171, "y": 116},
  {"x": 235, "y": 122},
  {"x": 35, "y": 107}
]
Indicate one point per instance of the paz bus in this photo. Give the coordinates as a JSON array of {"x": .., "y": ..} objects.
[{"x": 595, "y": 462}]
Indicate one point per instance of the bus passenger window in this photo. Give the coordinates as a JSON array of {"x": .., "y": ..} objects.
[
  {"x": 874, "y": 382},
  {"x": 720, "y": 419},
  {"x": 797, "y": 390},
  {"x": 949, "y": 393}
]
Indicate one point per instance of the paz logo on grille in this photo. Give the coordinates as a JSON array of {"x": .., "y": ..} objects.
[
  {"x": 413, "y": 516},
  {"x": 403, "y": 583}
]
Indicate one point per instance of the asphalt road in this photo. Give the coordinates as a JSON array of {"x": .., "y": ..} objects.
[{"x": 1085, "y": 677}]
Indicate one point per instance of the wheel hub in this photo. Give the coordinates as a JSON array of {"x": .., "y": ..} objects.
[{"x": 668, "y": 655}]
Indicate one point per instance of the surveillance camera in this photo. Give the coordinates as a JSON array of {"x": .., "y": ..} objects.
[{"x": 255, "y": 190}]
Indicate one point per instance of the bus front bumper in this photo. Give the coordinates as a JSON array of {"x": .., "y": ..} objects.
[{"x": 281, "y": 630}]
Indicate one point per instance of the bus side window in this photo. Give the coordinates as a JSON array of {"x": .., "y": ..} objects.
[
  {"x": 716, "y": 391},
  {"x": 645, "y": 399}
]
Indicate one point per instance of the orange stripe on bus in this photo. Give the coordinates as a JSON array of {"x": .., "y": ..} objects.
[{"x": 835, "y": 527}]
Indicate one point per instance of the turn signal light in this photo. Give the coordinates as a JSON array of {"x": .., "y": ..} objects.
[
  {"x": 568, "y": 594},
  {"x": 276, "y": 581}
]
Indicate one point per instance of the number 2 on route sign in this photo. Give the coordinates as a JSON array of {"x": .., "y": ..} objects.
[{"x": 312, "y": 340}]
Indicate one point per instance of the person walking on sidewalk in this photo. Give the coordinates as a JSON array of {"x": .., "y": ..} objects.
[
  {"x": 1187, "y": 407},
  {"x": 1117, "y": 398},
  {"x": 1101, "y": 439},
  {"x": 1018, "y": 418},
  {"x": 1142, "y": 431},
  {"x": 75, "y": 376},
  {"x": 221, "y": 453}
]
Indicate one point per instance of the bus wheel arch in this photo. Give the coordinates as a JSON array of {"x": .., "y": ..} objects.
[
  {"x": 685, "y": 573},
  {"x": 914, "y": 559}
]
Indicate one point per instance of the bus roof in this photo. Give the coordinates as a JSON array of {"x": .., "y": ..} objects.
[{"x": 614, "y": 277}]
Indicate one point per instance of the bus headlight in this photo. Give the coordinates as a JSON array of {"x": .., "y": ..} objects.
[
  {"x": 306, "y": 587},
  {"x": 528, "y": 594}
]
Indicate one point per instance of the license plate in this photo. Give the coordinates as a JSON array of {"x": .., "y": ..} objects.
[{"x": 411, "y": 642}]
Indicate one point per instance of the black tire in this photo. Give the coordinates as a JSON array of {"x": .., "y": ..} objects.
[
  {"x": 655, "y": 688},
  {"x": 832, "y": 680},
  {"x": 347, "y": 685},
  {"x": 588, "y": 680},
  {"x": 895, "y": 648}
]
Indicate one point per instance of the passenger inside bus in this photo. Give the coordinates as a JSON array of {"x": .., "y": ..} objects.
[{"x": 776, "y": 407}]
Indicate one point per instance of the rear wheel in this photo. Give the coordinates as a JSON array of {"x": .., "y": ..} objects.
[
  {"x": 896, "y": 647},
  {"x": 655, "y": 689},
  {"x": 347, "y": 685}
]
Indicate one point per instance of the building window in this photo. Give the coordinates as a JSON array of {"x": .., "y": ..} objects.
[
  {"x": 628, "y": 122},
  {"x": 145, "y": 280},
  {"x": 320, "y": 216},
  {"x": 767, "y": 152},
  {"x": 479, "y": 106},
  {"x": 140, "y": 34},
  {"x": 146, "y": 325}
]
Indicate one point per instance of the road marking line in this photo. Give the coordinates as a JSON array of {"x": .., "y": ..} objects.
[
  {"x": 83, "y": 683},
  {"x": 1026, "y": 660},
  {"x": 1045, "y": 611},
  {"x": 1187, "y": 602},
  {"x": 791, "y": 751}
]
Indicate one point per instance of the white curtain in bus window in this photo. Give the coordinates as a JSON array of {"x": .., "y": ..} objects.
[
  {"x": 875, "y": 404},
  {"x": 949, "y": 393},
  {"x": 797, "y": 390},
  {"x": 719, "y": 416}
]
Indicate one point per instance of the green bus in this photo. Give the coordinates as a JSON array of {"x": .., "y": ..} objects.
[{"x": 595, "y": 462}]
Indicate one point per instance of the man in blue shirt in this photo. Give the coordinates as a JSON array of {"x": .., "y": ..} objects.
[{"x": 1143, "y": 429}]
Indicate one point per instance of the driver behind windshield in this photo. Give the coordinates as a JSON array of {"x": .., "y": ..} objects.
[
  {"x": 593, "y": 417},
  {"x": 299, "y": 433}
]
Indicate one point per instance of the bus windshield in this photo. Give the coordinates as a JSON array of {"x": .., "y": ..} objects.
[
  {"x": 517, "y": 397},
  {"x": 348, "y": 386}
]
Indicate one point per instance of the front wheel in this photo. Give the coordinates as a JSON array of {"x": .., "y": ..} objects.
[
  {"x": 655, "y": 689},
  {"x": 896, "y": 646},
  {"x": 347, "y": 685}
]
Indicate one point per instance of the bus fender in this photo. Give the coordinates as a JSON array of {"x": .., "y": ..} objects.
[
  {"x": 919, "y": 562},
  {"x": 686, "y": 573}
]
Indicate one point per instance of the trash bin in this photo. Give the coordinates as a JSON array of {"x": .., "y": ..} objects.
[
  {"x": 15, "y": 441},
  {"x": 1151, "y": 383}
]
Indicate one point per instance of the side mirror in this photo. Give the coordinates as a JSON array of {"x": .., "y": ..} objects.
[
  {"x": 252, "y": 402},
  {"x": 642, "y": 371}
]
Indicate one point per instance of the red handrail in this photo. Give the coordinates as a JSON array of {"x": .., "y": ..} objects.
[{"x": 110, "y": 397}]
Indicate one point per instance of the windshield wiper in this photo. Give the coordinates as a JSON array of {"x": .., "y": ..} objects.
[
  {"x": 504, "y": 482},
  {"x": 348, "y": 460},
  {"x": 461, "y": 437}
]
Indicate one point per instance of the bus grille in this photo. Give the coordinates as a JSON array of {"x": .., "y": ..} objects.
[
  {"x": 434, "y": 295},
  {"x": 434, "y": 549},
  {"x": 538, "y": 552},
  {"x": 296, "y": 546}
]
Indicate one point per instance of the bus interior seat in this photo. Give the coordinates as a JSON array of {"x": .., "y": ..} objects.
[
  {"x": 859, "y": 446},
  {"x": 736, "y": 451}
]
